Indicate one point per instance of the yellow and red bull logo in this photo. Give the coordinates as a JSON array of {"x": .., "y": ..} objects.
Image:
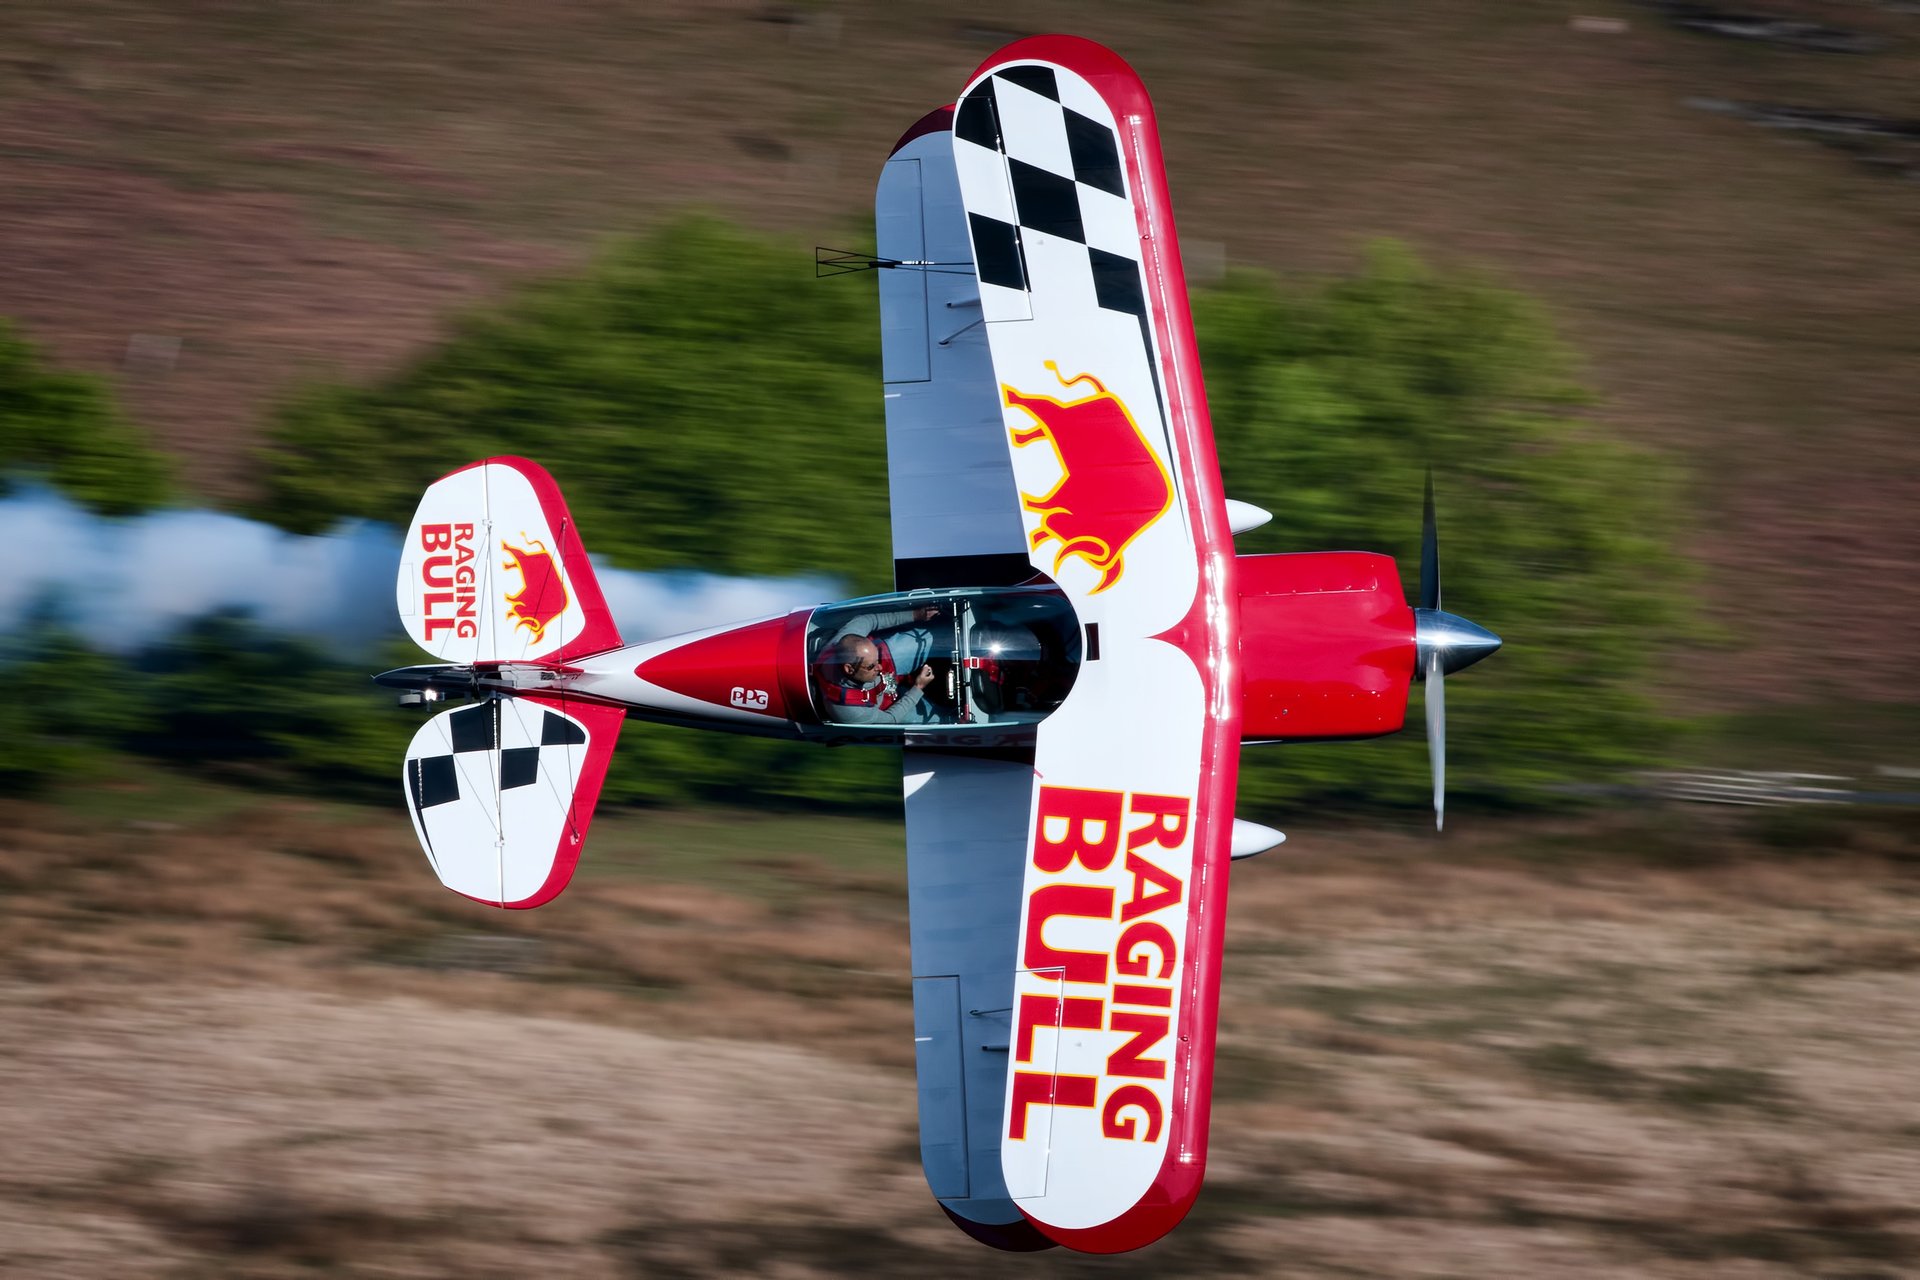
[
  {"x": 542, "y": 596},
  {"x": 1113, "y": 486}
]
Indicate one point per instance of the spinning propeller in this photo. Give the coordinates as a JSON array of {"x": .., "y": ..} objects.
[{"x": 1444, "y": 643}]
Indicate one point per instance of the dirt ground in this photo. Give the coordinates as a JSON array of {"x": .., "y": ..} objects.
[{"x": 256, "y": 1039}]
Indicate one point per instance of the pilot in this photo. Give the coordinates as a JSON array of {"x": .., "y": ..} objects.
[
  {"x": 861, "y": 685},
  {"x": 903, "y": 633}
]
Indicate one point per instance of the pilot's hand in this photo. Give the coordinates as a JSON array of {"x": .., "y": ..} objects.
[
  {"x": 926, "y": 613},
  {"x": 924, "y": 678}
]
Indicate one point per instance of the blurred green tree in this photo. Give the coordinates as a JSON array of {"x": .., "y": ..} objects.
[
  {"x": 71, "y": 709},
  {"x": 1329, "y": 403},
  {"x": 64, "y": 427},
  {"x": 226, "y": 694},
  {"x": 702, "y": 400},
  {"x": 223, "y": 694}
]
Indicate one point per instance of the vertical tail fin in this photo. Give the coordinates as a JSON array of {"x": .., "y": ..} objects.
[{"x": 493, "y": 571}]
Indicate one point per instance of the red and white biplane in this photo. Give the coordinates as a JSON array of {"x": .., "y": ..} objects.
[{"x": 1071, "y": 660}]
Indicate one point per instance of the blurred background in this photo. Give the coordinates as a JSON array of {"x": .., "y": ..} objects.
[{"x": 1638, "y": 280}]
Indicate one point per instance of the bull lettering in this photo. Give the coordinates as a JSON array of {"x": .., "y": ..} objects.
[
  {"x": 1091, "y": 902},
  {"x": 1044, "y": 1087},
  {"x": 1076, "y": 1012},
  {"x": 1088, "y": 827}
]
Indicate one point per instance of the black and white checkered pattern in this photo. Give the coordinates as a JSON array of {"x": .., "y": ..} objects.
[
  {"x": 1065, "y": 186},
  {"x": 435, "y": 780}
]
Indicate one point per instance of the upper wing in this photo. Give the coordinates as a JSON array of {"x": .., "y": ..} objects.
[{"x": 1106, "y": 427}]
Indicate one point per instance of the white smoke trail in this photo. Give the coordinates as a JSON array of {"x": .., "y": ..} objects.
[{"x": 124, "y": 584}]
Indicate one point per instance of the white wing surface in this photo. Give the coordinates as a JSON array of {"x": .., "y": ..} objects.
[{"x": 1105, "y": 424}]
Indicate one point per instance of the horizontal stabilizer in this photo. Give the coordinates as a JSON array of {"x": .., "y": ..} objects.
[
  {"x": 493, "y": 571},
  {"x": 502, "y": 792}
]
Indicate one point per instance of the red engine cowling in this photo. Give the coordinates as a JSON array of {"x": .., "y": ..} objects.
[{"x": 1326, "y": 646}]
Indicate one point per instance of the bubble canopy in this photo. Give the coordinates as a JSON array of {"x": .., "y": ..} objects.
[{"x": 995, "y": 656}]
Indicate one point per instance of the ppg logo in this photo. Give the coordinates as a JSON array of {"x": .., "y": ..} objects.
[{"x": 750, "y": 699}]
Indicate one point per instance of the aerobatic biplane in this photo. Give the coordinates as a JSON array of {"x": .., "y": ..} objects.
[{"x": 1071, "y": 660}]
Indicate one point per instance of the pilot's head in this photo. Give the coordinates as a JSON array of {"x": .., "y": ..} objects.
[{"x": 859, "y": 659}]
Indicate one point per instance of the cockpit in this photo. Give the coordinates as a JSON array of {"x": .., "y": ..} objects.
[{"x": 952, "y": 657}]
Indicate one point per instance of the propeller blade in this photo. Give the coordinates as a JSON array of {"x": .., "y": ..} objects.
[
  {"x": 1429, "y": 553},
  {"x": 1437, "y": 736}
]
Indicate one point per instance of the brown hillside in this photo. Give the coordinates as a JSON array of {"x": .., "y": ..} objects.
[{"x": 213, "y": 201}]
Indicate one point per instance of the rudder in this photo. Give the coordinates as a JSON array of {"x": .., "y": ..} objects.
[{"x": 494, "y": 571}]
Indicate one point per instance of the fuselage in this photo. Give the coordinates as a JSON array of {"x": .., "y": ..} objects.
[
  {"x": 1002, "y": 659},
  {"x": 1328, "y": 650}
]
